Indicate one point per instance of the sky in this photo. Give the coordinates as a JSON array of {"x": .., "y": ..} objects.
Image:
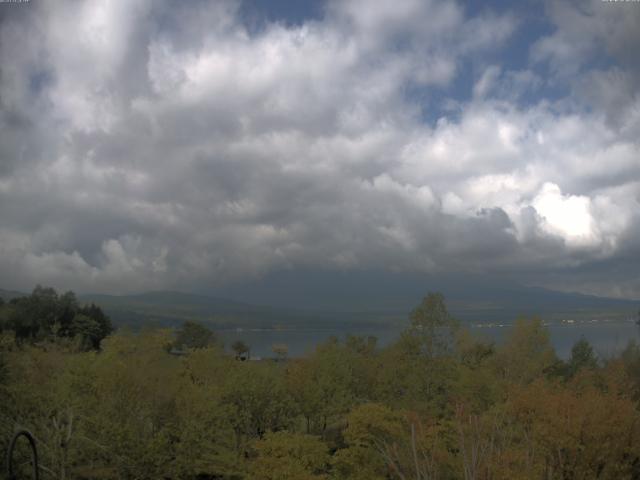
[{"x": 195, "y": 145}]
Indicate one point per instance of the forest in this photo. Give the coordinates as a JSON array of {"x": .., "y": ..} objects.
[{"x": 438, "y": 403}]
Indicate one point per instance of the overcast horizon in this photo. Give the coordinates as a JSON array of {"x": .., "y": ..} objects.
[{"x": 196, "y": 145}]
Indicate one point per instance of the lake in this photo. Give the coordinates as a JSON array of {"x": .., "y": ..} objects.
[{"x": 607, "y": 337}]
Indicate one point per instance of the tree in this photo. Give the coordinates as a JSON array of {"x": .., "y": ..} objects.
[
  {"x": 630, "y": 359},
  {"x": 289, "y": 456},
  {"x": 476, "y": 386},
  {"x": 45, "y": 315},
  {"x": 477, "y": 438},
  {"x": 362, "y": 345},
  {"x": 194, "y": 335},
  {"x": 323, "y": 385},
  {"x": 281, "y": 350},
  {"x": 86, "y": 330},
  {"x": 257, "y": 402},
  {"x": 582, "y": 356},
  {"x": 372, "y": 435},
  {"x": 103, "y": 324},
  {"x": 432, "y": 322},
  {"x": 576, "y": 434},
  {"x": 203, "y": 444},
  {"x": 34, "y": 316},
  {"x": 473, "y": 350},
  {"x": 241, "y": 348},
  {"x": 4, "y": 315},
  {"x": 67, "y": 309},
  {"x": 527, "y": 353},
  {"x": 132, "y": 406},
  {"x": 383, "y": 443}
]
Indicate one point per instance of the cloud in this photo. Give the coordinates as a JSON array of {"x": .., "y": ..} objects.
[
  {"x": 586, "y": 29},
  {"x": 173, "y": 146},
  {"x": 566, "y": 215}
]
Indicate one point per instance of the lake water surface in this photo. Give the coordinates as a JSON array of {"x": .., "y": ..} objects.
[{"x": 607, "y": 337}]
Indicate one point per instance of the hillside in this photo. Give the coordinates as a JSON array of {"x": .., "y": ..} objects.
[
  {"x": 357, "y": 303},
  {"x": 377, "y": 293},
  {"x": 170, "y": 308},
  {"x": 498, "y": 305},
  {"x": 7, "y": 295}
]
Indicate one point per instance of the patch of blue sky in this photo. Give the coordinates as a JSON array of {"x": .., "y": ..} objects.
[
  {"x": 511, "y": 58},
  {"x": 435, "y": 102}
]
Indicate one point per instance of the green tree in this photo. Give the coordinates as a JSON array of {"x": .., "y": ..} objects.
[
  {"x": 202, "y": 436},
  {"x": 408, "y": 377},
  {"x": 34, "y": 316},
  {"x": 527, "y": 352},
  {"x": 433, "y": 324},
  {"x": 45, "y": 315},
  {"x": 48, "y": 396},
  {"x": 86, "y": 331},
  {"x": 582, "y": 356},
  {"x": 241, "y": 349},
  {"x": 372, "y": 434},
  {"x": 630, "y": 359},
  {"x": 4, "y": 315},
  {"x": 323, "y": 385},
  {"x": 257, "y": 400},
  {"x": 289, "y": 456},
  {"x": 67, "y": 309},
  {"x": 194, "y": 335},
  {"x": 134, "y": 422},
  {"x": 362, "y": 345},
  {"x": 103, "y": 322}
]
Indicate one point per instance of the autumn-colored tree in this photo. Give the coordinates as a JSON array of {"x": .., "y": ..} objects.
[
  {"x": 289, "y": 456},
  {"x": 527, "y": 353},
  {"x": 372, "y": 434},
  {"x": 419, "y": 408},
  {"x": 581, "y": 434}
]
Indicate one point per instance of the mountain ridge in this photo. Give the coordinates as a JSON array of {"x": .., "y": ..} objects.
[{"x": 169, "y": 308}]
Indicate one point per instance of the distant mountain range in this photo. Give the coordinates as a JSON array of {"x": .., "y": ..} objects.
[
  {"x": 286, "y": 304},
  {"x": 7, "y": 295},
  {"x": 469, "y": 296},
  {"x": 167, "y": 308},
  {"x": 472, "y": 298}
]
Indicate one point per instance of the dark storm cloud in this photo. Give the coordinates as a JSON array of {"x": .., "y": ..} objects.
[{"x": 168, "y": 145}]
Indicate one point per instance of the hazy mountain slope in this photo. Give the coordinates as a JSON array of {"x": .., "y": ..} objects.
[
  {"x": 325, "y": 300},
  {"x": 7, "y": 295},
  {"x": 171, "y": 308},
  {"x": 475, "y": 298}
]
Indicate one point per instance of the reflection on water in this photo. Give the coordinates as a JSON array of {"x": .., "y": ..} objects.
[{"x": 606, "y": 337}]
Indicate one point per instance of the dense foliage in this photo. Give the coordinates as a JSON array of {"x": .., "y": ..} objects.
[
  {"x": 44, "y": 316},
  {"x": 437, "y": 404}
]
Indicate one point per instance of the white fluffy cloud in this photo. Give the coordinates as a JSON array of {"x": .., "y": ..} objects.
[{"x": 151, "y": 145}]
